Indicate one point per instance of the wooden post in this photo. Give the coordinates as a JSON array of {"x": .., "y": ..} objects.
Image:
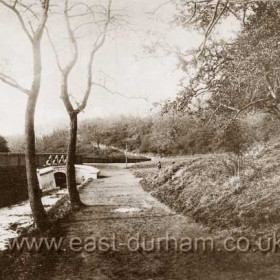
[{"x": 126, "y": 155}]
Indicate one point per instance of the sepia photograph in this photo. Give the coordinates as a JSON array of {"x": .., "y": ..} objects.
[{"x": 139, "y": 140}]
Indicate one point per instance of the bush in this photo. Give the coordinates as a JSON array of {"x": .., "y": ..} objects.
[{"x": 4, "y": 145}]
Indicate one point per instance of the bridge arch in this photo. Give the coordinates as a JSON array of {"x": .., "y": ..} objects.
[
  {"x": 55, "y": 176},
  {"x": 60, "y": 179}
]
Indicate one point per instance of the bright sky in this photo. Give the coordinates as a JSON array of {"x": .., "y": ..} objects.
[{"x": 122, "y": 58}]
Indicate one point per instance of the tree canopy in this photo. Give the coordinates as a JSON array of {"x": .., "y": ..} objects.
[{"x": 235, "y": 77}]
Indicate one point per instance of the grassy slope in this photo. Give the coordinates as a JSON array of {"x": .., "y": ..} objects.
[{"x": 206, "y": 190}]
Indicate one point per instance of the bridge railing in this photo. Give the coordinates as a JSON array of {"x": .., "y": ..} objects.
[
  {"x": 54, "y": 159},
  {"x": 47, "y": 159}
]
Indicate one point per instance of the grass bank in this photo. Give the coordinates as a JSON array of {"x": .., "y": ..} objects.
[{"x": 212, "y": 191}]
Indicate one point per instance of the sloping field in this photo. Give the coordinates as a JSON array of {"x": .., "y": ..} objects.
[{"x": 212, "y": 192}]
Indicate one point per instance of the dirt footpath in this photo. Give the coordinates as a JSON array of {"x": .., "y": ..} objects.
[{"x": 120, "y": 214}]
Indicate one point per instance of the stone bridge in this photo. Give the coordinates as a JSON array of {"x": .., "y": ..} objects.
[
  {"x": 55, "y": 176},
  {"x": 50, "y": 172}
]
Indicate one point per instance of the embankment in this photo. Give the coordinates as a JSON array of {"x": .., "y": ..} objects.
[{"x": 210, "y": 191}]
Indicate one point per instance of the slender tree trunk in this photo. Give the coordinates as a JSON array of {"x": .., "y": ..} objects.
[
  {"x": 73, "y": 113},
  {"x": 71, "y": 152},
  {"x": 34, "y": 191},
  {"x": 70, "y": 164}
]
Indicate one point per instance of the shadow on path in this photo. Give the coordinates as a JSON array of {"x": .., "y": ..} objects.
[{"x": 120, "y": 211}]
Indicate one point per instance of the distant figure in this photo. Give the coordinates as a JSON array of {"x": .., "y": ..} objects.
[
  {"x": 173, "y": 162},
  {"x": 159, "y": 165}
]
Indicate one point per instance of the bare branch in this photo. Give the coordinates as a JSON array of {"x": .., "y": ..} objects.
[
  {"x": 238, "y": 111},
  {"x": 96, "y": 46},
  {"x": 13, "y": 83},
  {"x": 86, "y": 23},
  {"x": 54, "y": 50},
  {"x": 216, "y": 17},
  {"x": 250, "y": 105},
  {"x": 73, "y": 41},
  {"x": 40, "y": 29},
  {"x": 17, "y": 13},
  {"x": 118, "y": 93},
  {"x": 68, "y": 68},
  {"x": 269, "y": 83},
  {"x": 160, "y": 6},
  {"x": 214, "y": 113},
  {"x": 192, "y": 16},
  {"x": 29, "y": 9},
  {"x": 234, "y": 13}
]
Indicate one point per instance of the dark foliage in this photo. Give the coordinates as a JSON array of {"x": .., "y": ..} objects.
[{"x": 3, "y": 145}]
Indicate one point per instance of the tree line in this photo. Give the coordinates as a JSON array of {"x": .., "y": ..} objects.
[{"x": 162, "y": 133}]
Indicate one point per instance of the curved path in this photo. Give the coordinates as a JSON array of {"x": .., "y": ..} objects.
[{"x": 120, "y": 210}]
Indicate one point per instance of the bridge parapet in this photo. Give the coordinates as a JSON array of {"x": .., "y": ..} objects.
[
  {"x": 56, "y": 159},
  {"x": 46, "y": 159}
]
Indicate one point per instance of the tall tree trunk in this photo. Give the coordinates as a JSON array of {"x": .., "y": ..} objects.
[
  {"x": 70, "y": 164},
  {"x": 34, "y": 191},
  {"x": 73, "y": 113}
]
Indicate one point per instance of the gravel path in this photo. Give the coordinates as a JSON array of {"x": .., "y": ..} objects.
[{"x": 120, "y": 210}]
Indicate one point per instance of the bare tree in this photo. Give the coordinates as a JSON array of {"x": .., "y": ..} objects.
[
  {"x": 38, "y": 10},
  {"x": 74, "y": 110}
]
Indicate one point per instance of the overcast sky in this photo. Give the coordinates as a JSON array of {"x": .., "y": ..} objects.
[{"x": 122, "y": 59}]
